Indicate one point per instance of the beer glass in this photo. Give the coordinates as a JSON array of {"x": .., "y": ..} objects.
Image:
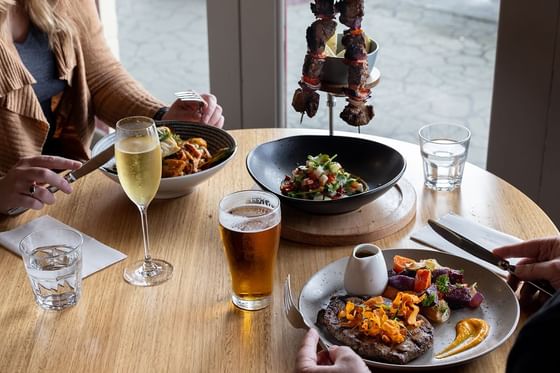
[
  {"x": 138, "y": 156},
  {"x": 250, "y": 231}
]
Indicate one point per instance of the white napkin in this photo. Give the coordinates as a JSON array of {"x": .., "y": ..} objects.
[
  {"x": 484, "y": 236},
  {"x": 95, "y": 255}
]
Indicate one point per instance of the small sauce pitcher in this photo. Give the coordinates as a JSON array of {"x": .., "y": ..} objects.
[{"x": 366, "y": 271}]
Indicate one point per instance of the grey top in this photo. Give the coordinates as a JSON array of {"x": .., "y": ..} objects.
[{"x": 40, "y": 61}]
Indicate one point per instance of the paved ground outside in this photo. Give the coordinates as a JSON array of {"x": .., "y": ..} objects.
[{"x": 436, "y": 60}]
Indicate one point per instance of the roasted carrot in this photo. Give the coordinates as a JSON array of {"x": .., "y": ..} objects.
[
  {"x": 423, "y": 280},
  {"x": 400, "y": 263}
]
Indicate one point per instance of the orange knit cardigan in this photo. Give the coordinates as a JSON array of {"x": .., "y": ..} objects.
[{"x": 97, "y": 85}]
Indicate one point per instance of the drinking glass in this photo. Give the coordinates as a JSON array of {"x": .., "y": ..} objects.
[
  {"x": 444, "y": 148},
  {"x": 53, "y": 261},
  {"x": 250, "y": 231},
  {"x": 138, "y": 156}
]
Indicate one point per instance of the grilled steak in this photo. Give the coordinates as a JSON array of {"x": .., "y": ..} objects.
[{"x": 418, "y": 340}]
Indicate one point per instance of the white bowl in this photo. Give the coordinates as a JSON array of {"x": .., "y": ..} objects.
[
  {"x": 172, "y": 187},
  {"x": 335, "y": 71}
]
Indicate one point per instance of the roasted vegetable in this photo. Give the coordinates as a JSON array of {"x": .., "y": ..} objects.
[
  {"x": 401, "y": 282},
  {"x": 400, "y": 263},
  {"x": 431, "y": 296},
  {"x": 455, "y": 276},
  {"x": 438, "y": 312},
  {"x": 460, "y": 296},
  {"x": 422, "y": 280}
]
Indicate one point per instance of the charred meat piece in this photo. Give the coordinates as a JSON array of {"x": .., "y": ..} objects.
[
  {"x": 306, "y": 100},
  {"x": 312, "y": 67},
  {"x": 357, "y": 75},
  {"x": 355, "y": 44},
  {"x": 418, "y": 339},
  {"x": 351, "y": 12},
  {"x": 323, "y": 8},
  {"x": 318, "y": 33},
  {"x": 357, "y": 114}
]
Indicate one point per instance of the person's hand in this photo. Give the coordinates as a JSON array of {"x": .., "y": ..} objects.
[
  {"x": 209, "y": 112},
  {"x": 24, "y": 185},
  {"x": 338, "y": 359},
  {"x": 541, "y": 261}
]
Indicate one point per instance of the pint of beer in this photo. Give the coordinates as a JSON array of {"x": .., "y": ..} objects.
[{"x": 250, "y": 230}]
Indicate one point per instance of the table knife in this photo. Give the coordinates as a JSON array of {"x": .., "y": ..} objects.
[
  {"x": 480, "y": 252},
  {"x": 91, "y": 165}
]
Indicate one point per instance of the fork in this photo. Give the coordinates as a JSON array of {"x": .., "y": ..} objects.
[
  {"x": 293, "y": 314},
  {"x": 189, "y": 95}
]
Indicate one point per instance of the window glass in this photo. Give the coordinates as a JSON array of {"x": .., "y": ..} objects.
[
  {"x": 436, "y": 60},
  {"x": 164, "y": 44}
]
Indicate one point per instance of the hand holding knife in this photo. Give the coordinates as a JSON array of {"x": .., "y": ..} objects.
[
  {"x": 91, "y": 165},
  {"x": 480, "y": 252}
]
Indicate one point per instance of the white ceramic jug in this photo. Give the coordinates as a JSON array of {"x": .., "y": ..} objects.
[{"x": 366, "y": 271}]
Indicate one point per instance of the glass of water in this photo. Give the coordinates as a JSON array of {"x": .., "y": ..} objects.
[
  {"x": 444, "y": 148},
  {"x": 53, "y": 260}
]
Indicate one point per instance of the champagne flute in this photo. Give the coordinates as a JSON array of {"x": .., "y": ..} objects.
[{"x": 138, "y": 156}]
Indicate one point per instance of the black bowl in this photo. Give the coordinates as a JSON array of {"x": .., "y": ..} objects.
[{"x": 379, "y": 165}]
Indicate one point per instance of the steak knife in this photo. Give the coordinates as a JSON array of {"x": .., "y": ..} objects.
[
  {"x": 91, "y": 165},
  {"x": 480, "y": 252}
]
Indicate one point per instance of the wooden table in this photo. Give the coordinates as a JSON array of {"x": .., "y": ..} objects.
[{"x": 189, "y": 323}]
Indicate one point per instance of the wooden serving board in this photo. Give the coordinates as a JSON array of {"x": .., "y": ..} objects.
[{"x": 376, "y": 220}]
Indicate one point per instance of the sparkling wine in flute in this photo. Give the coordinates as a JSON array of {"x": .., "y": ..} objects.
[
  {"x": 138, "y": 156},
  {"x": 139, "y": 165}
]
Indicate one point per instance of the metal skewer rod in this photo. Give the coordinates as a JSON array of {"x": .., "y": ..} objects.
[{"x": 331, "y": 103}]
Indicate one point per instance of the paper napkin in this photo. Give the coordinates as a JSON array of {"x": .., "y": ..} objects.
[
  {"x": 95, "y": 255},
  {"x": 485, "y": 236}
]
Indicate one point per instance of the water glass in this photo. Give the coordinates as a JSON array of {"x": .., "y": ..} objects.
[
  {"x": 444, "y": 148},
  {"x": 53, "y": 260},
  {"x": 250, "y": 231}
]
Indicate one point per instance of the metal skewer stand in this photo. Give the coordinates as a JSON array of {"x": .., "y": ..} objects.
[
  {"x": 337, "y": 91},
  {"x": 331, "y": 102}
]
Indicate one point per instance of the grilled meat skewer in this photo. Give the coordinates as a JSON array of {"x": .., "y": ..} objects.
[
  {"x": 312, "y": 69},
  {"x": 351, "y": 12},
  {"x": 318, "y": 33},
  {"x": 355, "y": 43},
  {"x": 357, "y": 113},
  {"x": 323, "y": 8},
  {"x": 306, "y": 100}
]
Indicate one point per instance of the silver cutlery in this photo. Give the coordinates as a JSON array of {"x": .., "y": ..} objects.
[
  {"x": 91, "y": 165},
  {"x": 189, "y": 96},
  {"x": 293, "y": 314},
  {"x": 480, "y": 252}
]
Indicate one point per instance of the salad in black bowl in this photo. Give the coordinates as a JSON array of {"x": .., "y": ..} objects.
[{"x": 305, "y": 174}]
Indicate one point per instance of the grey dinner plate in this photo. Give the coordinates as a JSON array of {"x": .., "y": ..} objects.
[{"x": 500, "y": 307}]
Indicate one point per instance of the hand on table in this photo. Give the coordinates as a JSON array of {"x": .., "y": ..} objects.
[
  {"x": 211, "y": 112},
  {"x": 338, "y": 359},
  {"x": 24, "y": 185},
  {"x": 541, "y": 262}
]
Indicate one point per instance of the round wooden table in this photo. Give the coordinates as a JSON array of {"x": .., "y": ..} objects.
[{"x": 189, "y": 323}]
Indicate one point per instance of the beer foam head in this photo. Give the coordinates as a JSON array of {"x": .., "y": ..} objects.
[
  {"x": 249, "y": 218},
  {"x": 250, "y": 211}
]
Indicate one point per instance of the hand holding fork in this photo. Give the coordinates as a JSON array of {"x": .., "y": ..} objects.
[
  {"x": 196, "y": 107},
  {"x": 293, "y": 314}
]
